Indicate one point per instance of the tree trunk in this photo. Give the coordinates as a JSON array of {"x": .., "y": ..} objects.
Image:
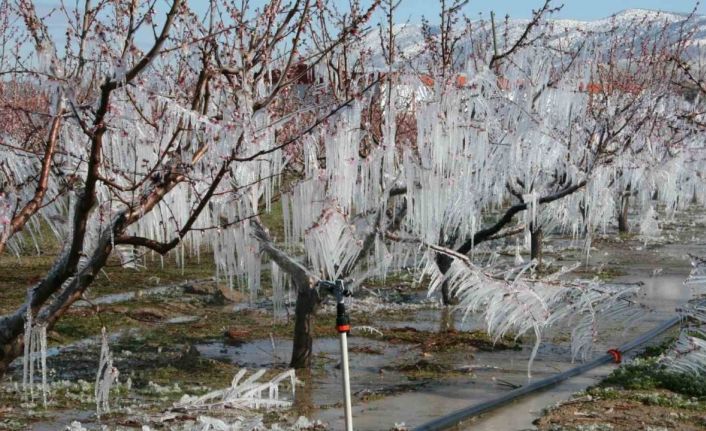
[
  {"x": 536, "y": 245},
  {"x": 304, "y": 311},
  {"x": 307, "y": 297},
  {"x": 444, "y": 261},
  {"x": 623, "y": 226},
  {"x": 584, "y": 216}
]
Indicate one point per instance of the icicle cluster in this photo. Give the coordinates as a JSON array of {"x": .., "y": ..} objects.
[
  {"x": 243, "y": 393},
  {"x": 516, "y": 305},
  {"x": 332, "y": 245},
  {"x": 449, "y": 176},
  {"x": 279, "y": 294},
  {"x": 337, "y": 208},
  {"x": 649, "y": 227},
  {"x": 35, "y": 358},
  {"x": 688, "y": 354},
  {"x": 15, "y": 166}
]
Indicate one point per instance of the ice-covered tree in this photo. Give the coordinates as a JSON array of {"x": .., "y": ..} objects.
[
  {"x": 521, "y": 127},
  {"x": 161, "y": 124},
  {"x": 181, "y": 143},
  {"x": 567, "y": 121}
]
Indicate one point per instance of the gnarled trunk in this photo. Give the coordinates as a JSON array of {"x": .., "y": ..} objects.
[
  {"x": 307, "y": 296},
  {"x": 304, "y": 312}
]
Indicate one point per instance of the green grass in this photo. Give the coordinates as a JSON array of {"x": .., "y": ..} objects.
[
  {"x": 427, "y": 370},
  {"x": 649, "y": 374},
  {"x": 651, "y": 397},
  {"x": 76, "y": 327},
  {"x": 17, "y": 275},
  {"x": 274, "y": 221}
]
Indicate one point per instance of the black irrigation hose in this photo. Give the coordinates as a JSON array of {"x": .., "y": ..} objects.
[{"x": 458, "y": 416}]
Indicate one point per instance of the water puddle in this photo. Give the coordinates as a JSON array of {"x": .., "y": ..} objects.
[
  {"x": 182, "y": 319},
  {"x": 499, "y": 371},
  {"x": 368, "y": 359},
  {"x": 384, "y": 396},
  {"x": 117, "y": 298}
]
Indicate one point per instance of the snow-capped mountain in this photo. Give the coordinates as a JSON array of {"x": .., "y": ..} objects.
[{"x": 564, "y": 32}]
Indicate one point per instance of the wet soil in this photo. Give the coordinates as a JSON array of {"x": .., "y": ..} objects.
[
  {"x": 632, "y": 411},
  {"x": 420, "y": 361}
]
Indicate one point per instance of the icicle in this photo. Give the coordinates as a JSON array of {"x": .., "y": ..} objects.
[
  {"x": 332, "y": 245},
  {"x": 278, "y": 278},
  {"x": 35, "y": 357},
  {"x": 531, "y": 200},
  {"x": 649, "y": 228},
  {"x": 42, "y": 335},
  {"x": 535, "y": 349},
  {"x": 26, "y": 359},
  {"x": 106, "y": 375},
  {"x": 518, "y": 257}
]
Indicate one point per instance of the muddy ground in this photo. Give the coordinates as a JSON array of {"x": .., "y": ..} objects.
[
  {"x": 637, "y": 396},
  {"x": 176, "y": 331}
]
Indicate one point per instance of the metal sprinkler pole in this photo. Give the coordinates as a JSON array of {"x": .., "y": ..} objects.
[
  {"x": 346, "y": 382},
  {"x": 343, "y": 327}
]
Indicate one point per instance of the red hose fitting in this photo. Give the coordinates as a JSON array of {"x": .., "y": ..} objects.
[{"x": 617, "y": 356}]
